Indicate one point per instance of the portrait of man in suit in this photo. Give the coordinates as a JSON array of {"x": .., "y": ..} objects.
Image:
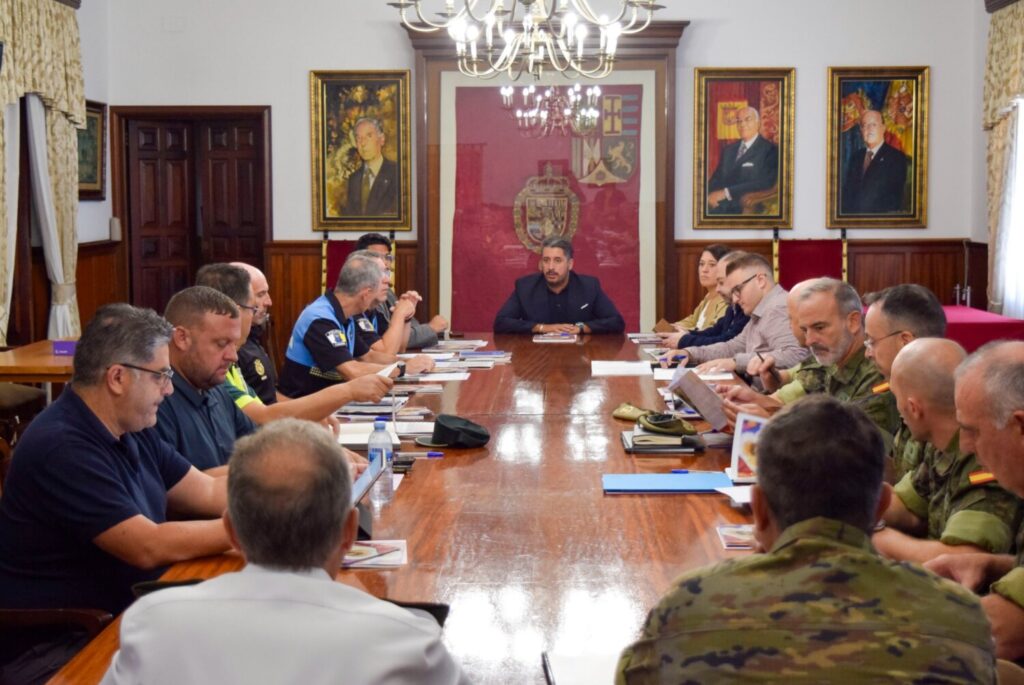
[
  {"x": 747, "y": 165},
  {"x": 373, "y": 188},
  {"x": 875, "y": 176}
]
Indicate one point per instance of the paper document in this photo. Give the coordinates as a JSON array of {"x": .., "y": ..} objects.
[
  {"x": 661, "y": 374},
  {"x": 644, "y": 338},
  {"x": 739, "y": 494},
  {"x": 715, "y": 376},
  {"x": 612, "y": 368},
  {"x": 704, "y": 399},
  {"x": 392, "y": 553},
  {"x": 579, "y": 669},
  {"x": 439, "y": 377},
  {"x": 356, "y": 435},
  {"x": 436, "y": 356}
]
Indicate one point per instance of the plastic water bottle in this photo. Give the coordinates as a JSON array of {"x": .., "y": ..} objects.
[{"x": 379, "y": 446}]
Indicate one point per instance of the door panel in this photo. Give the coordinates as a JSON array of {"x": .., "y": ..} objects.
[
  {"x": 161, "y": 209},
  {"x": 230, "y": 162}
]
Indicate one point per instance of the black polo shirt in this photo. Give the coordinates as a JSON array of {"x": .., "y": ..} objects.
[
  {"x": 202, "y": 426},
  {"x": 71, "y": 480},
  {"x": 257, "y": 367}
]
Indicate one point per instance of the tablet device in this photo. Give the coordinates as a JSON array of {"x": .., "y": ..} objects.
[{"x": 364, "y": 482}]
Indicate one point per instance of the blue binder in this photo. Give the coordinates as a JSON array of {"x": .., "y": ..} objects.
[{"x": 695, "y": 481}]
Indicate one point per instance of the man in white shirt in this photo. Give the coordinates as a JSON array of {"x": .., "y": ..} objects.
[{"x": 283, "y": 618}]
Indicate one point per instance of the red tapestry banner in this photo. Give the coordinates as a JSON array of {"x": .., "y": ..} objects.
[{"x": 512, "y": 191}]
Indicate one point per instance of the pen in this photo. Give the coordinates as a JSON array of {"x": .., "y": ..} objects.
[
  {"x": 773, "y": 371},
  {"x": 417, "y": 455},
  {"x": 680, "y": 471}
]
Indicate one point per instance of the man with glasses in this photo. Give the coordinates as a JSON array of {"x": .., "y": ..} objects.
[
  {"x": 896, "y": 316},
  {"x": 750, "y": 283},
  {"x": 421, "y": 334},
  {"x": 86, "y": 506},
  {"x": 200, "y": 419}
]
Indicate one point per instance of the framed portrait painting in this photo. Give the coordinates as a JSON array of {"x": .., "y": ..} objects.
[
  {"x": 359, "y": 129},
  {"x": 743, "y": 148},
  {"x": 92, "y": 141},
  {"x": 878, "y": 147}
]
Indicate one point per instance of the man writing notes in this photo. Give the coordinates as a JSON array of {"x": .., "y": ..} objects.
[
  {"x": 819, "y": 605},
  {"x": 283, "y": 618},
  {"x": 558, "y": 300},
  {"x": 750, "y": 164},
  {"x": 85, "y": 507},
  {"x": 750, "y": 284}
]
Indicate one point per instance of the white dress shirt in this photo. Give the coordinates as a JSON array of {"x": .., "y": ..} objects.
[{"x": 265, "y": 626}]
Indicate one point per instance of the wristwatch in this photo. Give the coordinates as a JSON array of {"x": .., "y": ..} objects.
[{"x": 579, "y": 325}]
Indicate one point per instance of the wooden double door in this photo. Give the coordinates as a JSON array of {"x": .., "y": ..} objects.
[{"x": 197, "y": 190}]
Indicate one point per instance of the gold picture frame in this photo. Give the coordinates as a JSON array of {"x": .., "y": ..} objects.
[
  {"x": 92, "y": 157},
  {"x": 742, "y": 175},
  {"x": 884, "y": 185},
  {"x": 360, "y": 184}
]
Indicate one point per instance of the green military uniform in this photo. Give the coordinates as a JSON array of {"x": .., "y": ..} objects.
[
  {"x": 958, "y": 512},
  {"x": 906, "y": 453},
  {"x": 808, "y": 377},
  {"x": 855, "y": 382},
  {"x": 1011, "y": 586},
  {"x": 820, "y": 607}
]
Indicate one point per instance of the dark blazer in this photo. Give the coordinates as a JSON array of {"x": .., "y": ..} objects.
[
  {"x": 726, "y": 328},
  {"x": 383, "y": 193},
  {"x": 878, "y": 190},
  {"x": 757, "y": 169},
  {"x": 529, "y": 304}
]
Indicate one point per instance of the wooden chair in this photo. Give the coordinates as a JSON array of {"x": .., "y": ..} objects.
[{"x": 19, "y": 404}]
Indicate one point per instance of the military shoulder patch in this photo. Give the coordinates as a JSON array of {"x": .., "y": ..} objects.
[
  {"x": 980, "y": 477},
  {"x": 880, "y": 388},
  {"x": 336, "y": 338}
]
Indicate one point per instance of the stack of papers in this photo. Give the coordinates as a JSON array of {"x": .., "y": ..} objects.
[
  {"x": 442, "y": 377},
  {"x": 381, "y": 408},
  {"x": 555, "y": 338},
  {"x": 737, "y": 536},
  {"x": 416, "y": 388},
  {"x": 606, "y": 368},
  {"x": 465, "y": 364},
  {"x": 377, "y": 554},
  {"x": 639, "y": 441},
  {"x": 436, "y": 356},
  {"x": 644, "y": 338},
  {"x": 449, "y": 345},
  {"x": 497, "y": 356}
]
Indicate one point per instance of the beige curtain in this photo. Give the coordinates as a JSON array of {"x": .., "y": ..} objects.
[
  {"x": 42, "y": 55},
  {"x": 1004, "y": 83}
]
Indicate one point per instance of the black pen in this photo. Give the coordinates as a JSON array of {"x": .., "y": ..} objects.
[{"x": 773, "y": 371}]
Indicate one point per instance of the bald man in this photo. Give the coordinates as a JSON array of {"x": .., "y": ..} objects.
[
  {"x": 990, "y": 410},
  {"x": 948, "y": 504},
  {"x": 253, "y": 359}
]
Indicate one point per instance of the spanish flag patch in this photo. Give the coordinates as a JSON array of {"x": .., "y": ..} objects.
[
  {"x": 880, "y": 388},
  {"x": 980, "y": 477}
]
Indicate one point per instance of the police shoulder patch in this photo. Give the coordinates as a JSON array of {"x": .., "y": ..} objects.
[
  {"x": 366, "y": 325},
  {"x": 336, "y": 338}
]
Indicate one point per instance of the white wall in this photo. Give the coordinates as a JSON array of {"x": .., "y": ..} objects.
[
  {"x": 260, "y": 52},
  {"x": 93, "y": 25}
]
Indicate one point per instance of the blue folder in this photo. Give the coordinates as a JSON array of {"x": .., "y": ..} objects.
[{"x": 697, "y": 481}]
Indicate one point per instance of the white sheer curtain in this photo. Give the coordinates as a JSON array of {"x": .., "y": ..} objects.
[
  {"x": 62, "y": 320},
  {"x": 1008, "y": 276},
  {"x": 12, "y": 149}
]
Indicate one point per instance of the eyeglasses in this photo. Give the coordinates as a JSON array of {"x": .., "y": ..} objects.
[
  {"x": 735, "y": 292},
  {"x": 254, "y": 310},
  {"x": 163, "y": 376},
  {"x": 869, "y": 343}
]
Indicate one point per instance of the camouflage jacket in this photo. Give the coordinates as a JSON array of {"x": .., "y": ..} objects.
[
  {"x": 1011, "y": 586},
  {"x": 808, "y": 377},
  {"x": 855, "y": 382},
  {"x": 906, "y": 453},
  {"x": 820, "y": 607},
  {"x": 958, "y": 511}
]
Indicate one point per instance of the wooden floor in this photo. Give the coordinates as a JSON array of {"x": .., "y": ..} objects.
[{"x": 517, "y": 536}]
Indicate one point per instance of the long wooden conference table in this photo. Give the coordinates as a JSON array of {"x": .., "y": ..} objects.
[{"x": 518, "y": 537}]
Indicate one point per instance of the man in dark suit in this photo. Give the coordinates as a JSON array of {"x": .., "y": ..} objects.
[
  {"x": 751, "y": 163},
  {"x": 558, "y": 300},
  {"x": 876, "y": 176},
  {"x": 373, "y": 189}
]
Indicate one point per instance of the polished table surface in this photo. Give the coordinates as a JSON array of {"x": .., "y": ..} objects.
[
  {"x": 517, "y": 536},
  {"x": 35, "y": 363}
]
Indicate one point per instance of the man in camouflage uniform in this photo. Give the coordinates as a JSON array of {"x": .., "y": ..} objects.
[
  {"x": 820, "y": 606},
  {"x": 990, "y": 410},
  {"x": 948, "y": 503},
  {"x": 829, "y": 314},
  {"x": 805, "y": 378},
  {"x": 896, "y": 316}
]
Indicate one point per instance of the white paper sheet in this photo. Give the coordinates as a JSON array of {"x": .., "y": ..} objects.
[{"x": 614, "y": 368}]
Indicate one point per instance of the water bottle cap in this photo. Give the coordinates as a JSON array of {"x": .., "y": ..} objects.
[{"x": 379, "y": 425}]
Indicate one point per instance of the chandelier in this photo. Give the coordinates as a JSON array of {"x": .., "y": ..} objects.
[
  {"x": 531, "y": 36},
  {"x": 566, "y": 112}
]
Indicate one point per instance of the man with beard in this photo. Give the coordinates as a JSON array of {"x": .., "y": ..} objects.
[
  {"x": 829, "y": 312},
  {"x": 558, "y": 300},
  {"x": 253, "y": 359},
  {"x": 200, "y": 419}
]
